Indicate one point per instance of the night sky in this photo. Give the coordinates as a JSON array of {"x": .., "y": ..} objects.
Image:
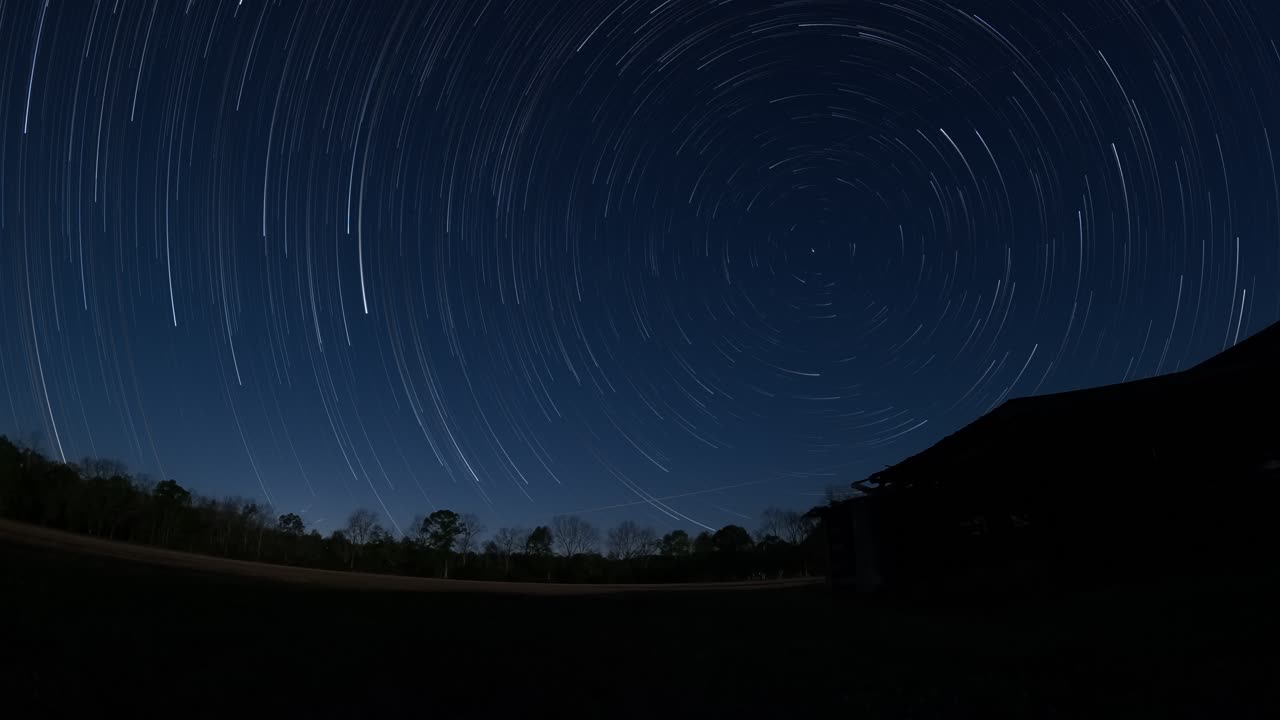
[{"x": 673, "y": 261}]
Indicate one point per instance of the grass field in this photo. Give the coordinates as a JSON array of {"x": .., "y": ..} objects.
[{"x": 84, "y": 630}]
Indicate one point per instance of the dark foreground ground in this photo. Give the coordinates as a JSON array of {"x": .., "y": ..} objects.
[{"x": 106, "y": 634}]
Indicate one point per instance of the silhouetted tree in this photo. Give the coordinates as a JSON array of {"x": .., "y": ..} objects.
[
  {"x": 731, "y": 555},
  {"x": 628, "y": 540},
  {"x": 291, "y": 524},
  {"x": 98, "y": 497},
  {"x": 441, "y": 530},
  {"x": 539, "y": 541},
  {"x": 339, "y": 546},
  {"x": 170, "y": 493},
  {"x": 102, "y": 468},
  {"x": 796, "y": 528},
  {"x": 260, "y": 523},
  {"x": 771, "y": 555},
  {"x": 538, "y": 551},
  {"x": 362, "y": 527},
  {"x": 505, "y": 543},
  {"x": 469, "y": 530},
  {"x": 772, "y": 521},
  {"x": 731, "y": 539},
  {"x": 251, "y": 523},
  {"x": 675, "y": 544},
  {"x": 574, "y": 536},
  {"x": 171, "y": 500}
]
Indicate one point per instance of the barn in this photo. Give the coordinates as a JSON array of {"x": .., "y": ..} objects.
[{"x": 1157, "y": 475}]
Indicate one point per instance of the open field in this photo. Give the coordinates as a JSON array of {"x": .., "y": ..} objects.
[{"x": 93, "y": 630}]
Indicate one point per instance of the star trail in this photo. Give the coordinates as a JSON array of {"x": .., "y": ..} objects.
[{"x": 676, "y": 260}]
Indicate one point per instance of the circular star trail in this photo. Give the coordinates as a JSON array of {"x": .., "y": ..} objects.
[{"x": 678, "y": 259}]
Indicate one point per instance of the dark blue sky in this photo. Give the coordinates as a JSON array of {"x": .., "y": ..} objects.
[{"x": 674, "y": 261}]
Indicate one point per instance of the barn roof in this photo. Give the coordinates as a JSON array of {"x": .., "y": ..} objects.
[{"x": 1209, "y": 401}]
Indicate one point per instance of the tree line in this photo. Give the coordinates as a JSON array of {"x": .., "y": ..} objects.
[{"x": 101, "y": 498}]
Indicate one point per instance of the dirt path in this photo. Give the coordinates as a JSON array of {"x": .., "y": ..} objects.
[{"x": 70, "y": 542}]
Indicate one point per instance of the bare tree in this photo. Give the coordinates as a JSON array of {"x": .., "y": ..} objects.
[
  {"x": 772, "y": 522},
  {"x": 418, "y": 533},
  {"x": 508, "y": 540},
  {"x": 103, "y": 468},
  {"x": 362, "y": 528},
  {"x": 262, "y": 523},
  {"x": 505, "y": 543},
  {"x": 469, "y": 530},
  {"x": 573, "y": 535},
  {"x": 226, "y": 514},
  {"x": 251, "y": 515},
  {"x": 796, "y": 528},
  {"x": 628, "y": 540}
]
